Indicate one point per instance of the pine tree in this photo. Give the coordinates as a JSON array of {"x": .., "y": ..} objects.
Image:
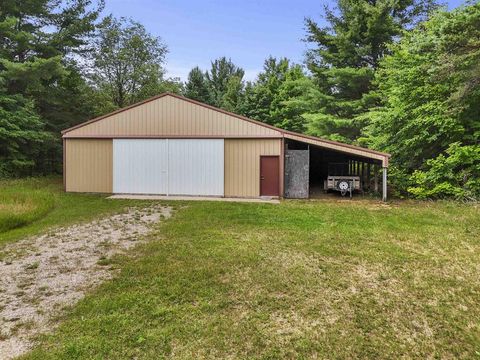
[
  {"x": 261, "y": 97},
  {"x": 196, "y": 87},
  {"x": 346, "y": 55},
  {"x": 225, "y": 83},
  {"x": 21, "y": 136},
  {"x": 40, "y": 41}
]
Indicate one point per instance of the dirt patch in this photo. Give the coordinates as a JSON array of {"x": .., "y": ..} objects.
[{"x": 41, "y": 276}]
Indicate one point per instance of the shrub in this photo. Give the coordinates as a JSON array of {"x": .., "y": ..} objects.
[{"x": 455, "y": 174}]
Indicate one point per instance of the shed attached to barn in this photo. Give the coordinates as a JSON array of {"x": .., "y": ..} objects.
[{"x": 172, "y": 145}]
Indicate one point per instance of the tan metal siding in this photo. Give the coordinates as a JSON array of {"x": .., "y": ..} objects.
[
  {"x": 242, "y": 164},
  {"x": 88, "y": 165},
  {"x": 174, "y": 117}
]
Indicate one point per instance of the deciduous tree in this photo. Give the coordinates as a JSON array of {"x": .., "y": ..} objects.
[
  {"x": 280, "y": 96},
  {"x": 127, "y": 61}
]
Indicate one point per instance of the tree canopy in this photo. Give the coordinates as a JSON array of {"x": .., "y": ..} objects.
[
  {"x": 345, "y": 55},
  {"x": 429, "y": 114},
  {"x": 46, "y": 84},
  {"x": 39, "y": 41},
  {"x": 221, "y": 86},
  {"x": 127, "y": 62},
  {"x": 196, "y": 87},
  {"x": 278, "y": 95}
]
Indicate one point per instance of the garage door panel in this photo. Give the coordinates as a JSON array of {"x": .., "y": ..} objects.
[
  {"x": 140, "y": 166},
  {"x": 196, "y": 166},
  {"x": 173, "y": 166}
]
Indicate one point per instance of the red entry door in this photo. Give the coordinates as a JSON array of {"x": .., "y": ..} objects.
[{"x": 269, "y": 176}]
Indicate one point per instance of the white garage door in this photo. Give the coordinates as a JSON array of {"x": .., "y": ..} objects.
[{"x": 168, "y": 166}]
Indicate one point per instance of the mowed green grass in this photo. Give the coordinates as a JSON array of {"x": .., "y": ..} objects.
[
  {"x": 321, "y": 279},
  {"x": 31, "y": 206}
]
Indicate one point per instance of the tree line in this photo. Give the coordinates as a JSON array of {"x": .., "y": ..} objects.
[{"x": 401, "y": 77}]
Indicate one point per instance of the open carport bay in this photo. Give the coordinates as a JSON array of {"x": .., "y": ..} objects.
[{"x": 308, "y": 166}]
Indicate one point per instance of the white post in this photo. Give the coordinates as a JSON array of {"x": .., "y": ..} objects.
[
  {"x": 168, "y": 168},
  {"x": 384, "y": 184}
]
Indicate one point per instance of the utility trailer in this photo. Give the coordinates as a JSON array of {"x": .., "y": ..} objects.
[{"x": 340, "y": 180}]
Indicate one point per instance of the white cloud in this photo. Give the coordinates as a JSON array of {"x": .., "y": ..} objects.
[
  {"x": 251, "y": 74},
  {"x": 178, "y": 72},
  {"x": 182, "y": 72}
]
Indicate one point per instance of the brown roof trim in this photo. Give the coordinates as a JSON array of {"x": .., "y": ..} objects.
[
  {"x": 280, "y": 136},
  {"x": 226, "y": 113},
  {"x": 337, "y": 143}
]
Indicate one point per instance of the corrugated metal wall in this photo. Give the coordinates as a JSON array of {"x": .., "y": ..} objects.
[
  {"x": 242, "y": 164},
  {"x": 170, "y": 116},
  {"x": 88, "y": 165}
]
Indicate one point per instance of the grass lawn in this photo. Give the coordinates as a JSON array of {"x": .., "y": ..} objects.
[{"x": 325, "y": 279}]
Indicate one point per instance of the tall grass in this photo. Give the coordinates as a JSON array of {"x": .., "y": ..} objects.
[
  {"x": 31, "y": 206},
  {"x": 21, "y": 205}
]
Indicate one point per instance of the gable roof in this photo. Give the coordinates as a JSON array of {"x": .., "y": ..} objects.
[
  {"x": 171, "y": 115},
  {"x": 253, "y": 128},
  {"x": 141, "y": 103}
]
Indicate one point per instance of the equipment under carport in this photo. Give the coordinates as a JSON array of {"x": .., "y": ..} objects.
[
  {"x": 343, "y": 184},
  {"x": 339, "y": 179}
]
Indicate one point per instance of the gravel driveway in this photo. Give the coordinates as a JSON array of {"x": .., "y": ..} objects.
[{"x": 40, "y": 276}]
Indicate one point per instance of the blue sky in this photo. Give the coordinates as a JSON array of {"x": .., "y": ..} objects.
[{"x": 247, "y": 31}]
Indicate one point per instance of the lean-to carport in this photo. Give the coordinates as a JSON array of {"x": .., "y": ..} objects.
[{"x": 354, "y": 160}]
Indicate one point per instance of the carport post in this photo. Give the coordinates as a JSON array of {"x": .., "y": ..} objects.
[
  {"x": 384, "y": 184},
  {"x": 369, "y": 171}
]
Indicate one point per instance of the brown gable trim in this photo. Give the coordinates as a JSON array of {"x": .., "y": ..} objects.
[{"x": 282, "y": 131}]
